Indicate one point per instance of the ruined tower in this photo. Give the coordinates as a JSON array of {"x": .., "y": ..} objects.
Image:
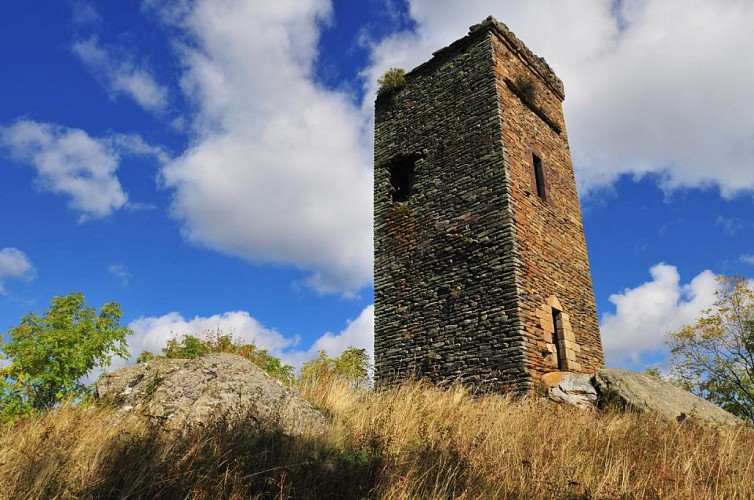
[{"x": 481, "y": 268}]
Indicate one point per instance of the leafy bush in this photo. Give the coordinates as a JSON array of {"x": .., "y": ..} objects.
[
  {"x": 189, "y": 347},
  {"x": 351, "y": 366}
]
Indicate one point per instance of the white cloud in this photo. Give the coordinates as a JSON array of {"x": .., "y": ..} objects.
[
  {"x": 121, "y": 74},
  {"x": 14, "y": 265},
  {"x": 121, "y": 272},
  {"x": 645, "y": 314},
  {"x": 280, "y": 168},
  {"x": 151, "y": 334},
  {"x": 658, "y": 87},
  {"x": 747, "y": 259},
  {"x": 70, "y": 162}
]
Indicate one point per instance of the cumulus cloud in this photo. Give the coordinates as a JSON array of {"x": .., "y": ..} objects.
[
  {"x": 652, "y": 87},
  {"x": 279, "y": 169},
  {"x": 151, "y": 334},
  {"x": 121, "y": 74},
  {"x": 70, "y": 162},
  {"x": 645, "y": 314},
  {"x": 14, "y": 265}
]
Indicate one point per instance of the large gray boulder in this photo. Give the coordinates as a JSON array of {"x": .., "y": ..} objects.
[
  {"x": 642, "y": 393},
  {"x": 177, "y": 394}
]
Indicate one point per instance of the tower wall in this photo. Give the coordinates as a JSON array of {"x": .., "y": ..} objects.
[
  {"x": 554, "y": 265},
  {"x": 465, "y": 263}
]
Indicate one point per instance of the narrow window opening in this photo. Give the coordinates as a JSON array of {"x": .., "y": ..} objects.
[
  {"x": 401, "y": 179},
  {"x": 557, "y": 338},
  {"x": 539, "y": 177}
]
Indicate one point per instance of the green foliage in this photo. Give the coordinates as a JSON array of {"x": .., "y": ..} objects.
[
  {"x": 393, "y": 80},
  {"x": 50, "y": 354},
  {"x": 190, "y": 346},
  {"x": 145, "y": 356},
  {"x": 714, "y": 357},
  {"x": 352, "y": 366}
]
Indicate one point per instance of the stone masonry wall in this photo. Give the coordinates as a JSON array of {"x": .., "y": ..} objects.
[
  {"x": 445, "y": 294},
  {"x": 554, "y": 271},
  {"x": 478, "y": 279}
]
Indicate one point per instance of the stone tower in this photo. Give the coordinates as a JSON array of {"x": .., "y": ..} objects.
[{"x": 481, "y": 269}]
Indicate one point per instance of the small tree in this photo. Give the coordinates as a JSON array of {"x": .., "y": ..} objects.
[
  {"x": 50, "y": 354},
  {"x": 714, "y": 357},
  {"x": 352, "y": 366}
]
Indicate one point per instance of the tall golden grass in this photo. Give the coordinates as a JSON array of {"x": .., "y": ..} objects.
[{"x": 415, "y": 441}]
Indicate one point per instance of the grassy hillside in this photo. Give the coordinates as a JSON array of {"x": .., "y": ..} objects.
[{"x": 412, "y": 442}]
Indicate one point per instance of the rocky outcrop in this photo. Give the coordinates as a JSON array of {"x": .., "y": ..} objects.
[
  {"x": 131, "y": 387},
  {"x": 176, "y": 394},
  {"x": 642, "y": 393},
  {"x": 634, "y": 392}
]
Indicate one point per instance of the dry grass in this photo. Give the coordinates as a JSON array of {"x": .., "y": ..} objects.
[{"x": 411, "y": 442}]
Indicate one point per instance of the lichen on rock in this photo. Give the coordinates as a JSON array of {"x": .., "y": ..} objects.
[{"x": 179, "y": 394}]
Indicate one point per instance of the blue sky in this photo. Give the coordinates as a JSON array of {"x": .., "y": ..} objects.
[{"x": 208, "y": 164}]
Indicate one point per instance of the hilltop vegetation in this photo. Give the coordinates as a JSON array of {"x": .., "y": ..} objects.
[
  {"x": 412, "y": 441},
  {"x": 46, "y": 357},
  {"x": 415, "y": 441}
]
